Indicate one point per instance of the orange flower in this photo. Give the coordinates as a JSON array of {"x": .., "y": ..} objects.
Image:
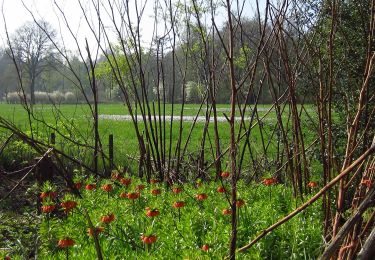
[
  {"x": 148, "y": 239},
  {"x": 153, "y": 181},
  {"x": 312, "y": 184},
  {"x": 240, "y": 203},
  {"x": 91, "y": 186},
  {"x": 48, "y": 208},
  {"x": 140, "y": 187},
  {"x": 68, "y": 205},
  {"x": 152, "y": 213},
  {"x": 225, "y": 175},
  {"x": 107, "y": 218},
  {"x": 205, "y": 247},
  {"x": 107, "y": 187},
  {"x": 78, "y": 185},
  {"x": 66, "y": 242},
  {"x": 126, "y": 181},
  {"x": 221, "y": 189},
  {"x": 123, "y": 195},
  {"x": 97, "y": 230},
  {"x": 133, "y": 195},
  {"x": 176, "y": 190},
  {"x": 155, "y": 191},
  {"x": 48, "y": 194},
  {"x": 179, "y": 204},
  {"x": 227, "y": 211},
  {"x": 367, "y": 183},
  {"x": 269, "y": 181},
  {"x": 201, "y": 196}
]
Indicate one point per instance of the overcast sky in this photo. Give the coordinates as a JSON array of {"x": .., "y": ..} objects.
[{"x": 16, "y": 15}]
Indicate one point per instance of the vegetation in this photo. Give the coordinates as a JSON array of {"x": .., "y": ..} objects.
[{"x": 251, "y": 134}]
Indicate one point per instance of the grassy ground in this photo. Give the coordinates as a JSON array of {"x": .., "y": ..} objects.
[{"x": 74, "y": 121}]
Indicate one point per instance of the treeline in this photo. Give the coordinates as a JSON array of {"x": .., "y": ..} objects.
[{"x": 181, "y": 73}]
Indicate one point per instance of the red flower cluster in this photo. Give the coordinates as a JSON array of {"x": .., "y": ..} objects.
[
  {"x": 68, "y": 205},
  {"x": 133, "y": 195},
  {"x": 227, "y": 211},
  {"x": 48, "y": 194},
  {"x": 312, "y": 184},
  {"x": 221, "y": 189},
  {"x": 205, "y": 247},
  {"x": 225, "y": 175},
  {"x": 97, "y": 230},
  {"x": 148, "y": 239},
  {"x": 107, "y": 187},
  {"x": 126, "y": 181},
  {"x": 152, "y": 213},
  {"x": 179, "y": 204},
  {"x": 153, "y": 181},
  {"x": 201, "y": 196},
  {"x": 240, "y": 203},
  {"x": 107, "y": 218},
  {"x": 91, "y": 186},
  {"x": 367, "y": 182},
  {"x": 66, "y": 242},
  {"x": 155, "y": 191},
  {"x": 140, "y": 187},
  {"x": 78, "y": 185},
  {"x": 176, "y": 190},
  {"x": 269, "y": 181},
  {"x": 48, "y": 208}
]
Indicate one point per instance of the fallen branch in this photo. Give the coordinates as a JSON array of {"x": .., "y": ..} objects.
[
  {"x": 312, "y": 200},
  {"x": 24, "y": 177}
]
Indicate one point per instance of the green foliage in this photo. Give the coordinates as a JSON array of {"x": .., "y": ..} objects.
[{"x": 200, "y": 222}]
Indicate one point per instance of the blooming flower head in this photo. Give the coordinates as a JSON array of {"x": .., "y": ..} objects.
[
  {"x": 227, "y": 212},
  {"x": 66, "y": 242},
  {"x": 205, "y": 247},
  {"x": 155, "y": 191},
  {"x": 225, "y": 175},
  {"x": 176, "y": 190},
  {"x": 140, "y": 187},
  {"x": 312, "y": 184},
  {"x": 179, "y": 204},
  {"x": 148, "y": 239},
  {"x": 221, "y": 189},
  {"x": 68, "y": 205},
  {"x": 126, "y": 181},
  {"x": 269, "y": 181},
  {"x": 107, "y": 218},
  {"x": 107, "y": 187},
  {"x": 133, "y": 195},
  {"x": 240, "y": 203},
  {"x": 48, "y": 208},
  {"x": 201, "y": 196},
  {"x": 152, "y": 213},
  {"x": 367, "y": 182},
  {"x": 91, "y": 186},
  {"x": 95, "y": 230}
]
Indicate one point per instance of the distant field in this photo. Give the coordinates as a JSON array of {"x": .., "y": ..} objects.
[{"x": 75, "y": 121}]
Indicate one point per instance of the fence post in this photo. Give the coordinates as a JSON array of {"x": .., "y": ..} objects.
[
  {"x": 110, "y": 147},
  {"x": 53, "y": 139}
]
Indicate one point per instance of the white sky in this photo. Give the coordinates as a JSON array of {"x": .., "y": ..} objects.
[{"x": 16, "y": 15}]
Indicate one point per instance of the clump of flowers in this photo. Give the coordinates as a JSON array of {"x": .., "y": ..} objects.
[
  {"x": 269, "y": 181},
  {"x": 201, "y": 196},
  {"x": 68, "y": 205},
  {"x": 65, "y": 242},
  {"x": 107, "y": 218}
]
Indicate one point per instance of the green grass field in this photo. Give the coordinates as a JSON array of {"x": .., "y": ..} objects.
[{"x": 75, "y": 122}]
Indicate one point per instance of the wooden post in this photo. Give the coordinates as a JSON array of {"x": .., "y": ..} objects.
[
  {"x": 110, "y": 147},
  {"x": 53, "y": 139}
]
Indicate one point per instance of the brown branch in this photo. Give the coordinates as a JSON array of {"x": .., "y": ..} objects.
[{"x": 312, "y": 200}]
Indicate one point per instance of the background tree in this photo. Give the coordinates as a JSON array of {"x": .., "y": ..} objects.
[{"x": 33, "y": 50}]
